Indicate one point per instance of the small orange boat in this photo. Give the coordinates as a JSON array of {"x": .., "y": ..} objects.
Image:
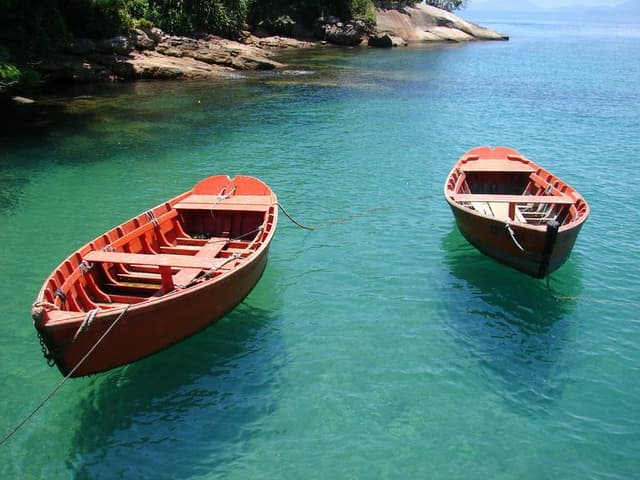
[
  {"x": 158, "y": 278},
  {"x": 513, "y": 210}
]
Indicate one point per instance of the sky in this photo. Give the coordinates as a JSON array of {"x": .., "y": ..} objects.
[
  {"x": 558, "y": 3},
  {"x": 564, "y": 3}
]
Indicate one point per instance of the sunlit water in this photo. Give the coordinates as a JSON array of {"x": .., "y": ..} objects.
[{"x": 379, "y": 345}]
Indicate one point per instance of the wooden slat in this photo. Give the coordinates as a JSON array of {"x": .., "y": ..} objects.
[
  {"x": 160, "y": 260},
  {"x": 482, "y": 207},
  {"x": 210, "y": 250},
  {"x": 137, "y": 232},
  {"x": 551, "y": 199},
  {"x": 500, "y": 209},
  {"x": 248, "y": 203},
  {"x": 496, "y": 165}
]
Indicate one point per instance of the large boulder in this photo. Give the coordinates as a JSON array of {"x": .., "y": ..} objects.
[
  {"x": 341, "y": 33},
  {"x": 386, "y": 40},
  {"x": 152, "y": 65},
  {"x": 424, "y": 23},
  {"x": 72, "y": 67},
  {"x": 120, "y": 45},
  {"x": 140, "y": 40}
]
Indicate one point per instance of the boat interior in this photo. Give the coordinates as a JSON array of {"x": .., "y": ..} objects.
[
  {"x": 514, "y": 191},
  {"x": 161, "y": 251}
]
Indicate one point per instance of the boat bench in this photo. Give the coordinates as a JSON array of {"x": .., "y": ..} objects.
[
  {"x": 163, "y": 261},
  {"x": 208, "y": 250},
  {"x": 493, "y": 197},
  {"x": 505, "y": 206},
  {"x": 500, "y": 165},
  {"x": 244, "y": 203}
]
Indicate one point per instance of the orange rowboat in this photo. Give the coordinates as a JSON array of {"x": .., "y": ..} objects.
[
  {"x": 158, "y": 278},
  {"x": 513, "y": 210}
]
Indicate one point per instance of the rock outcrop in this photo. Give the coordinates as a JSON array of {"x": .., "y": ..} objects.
[
  {"x": 424, "y": 23},
  {"x": 152, "y": 54},
  {"x": 332, "y": 30}
]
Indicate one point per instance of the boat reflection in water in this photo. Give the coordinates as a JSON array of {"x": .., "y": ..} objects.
[{"x": 515, "y": 326}]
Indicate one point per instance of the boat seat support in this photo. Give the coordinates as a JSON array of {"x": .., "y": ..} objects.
[{"x": 163, "y": 261}]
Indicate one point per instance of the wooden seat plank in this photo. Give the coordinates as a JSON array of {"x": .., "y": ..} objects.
[
  {"x": 250, "y": 203},
  {"x": 473, "y": 197},
  {"x": 496, "y": 165},
  {"x": 209, "y": 250},
  {"x": 160, "y": 260}
]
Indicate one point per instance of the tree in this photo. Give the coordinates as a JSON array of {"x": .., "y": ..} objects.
[{"x": 448, "y": 5}]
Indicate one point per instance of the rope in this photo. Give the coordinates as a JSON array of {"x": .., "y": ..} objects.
[
  {"x": 556, "y": 297},
  {"x": 293, "y": 219},
  {"x": 221, "y": 197},
  {"x": 47, "y": 305},
  {"x": 64, "y": 380},
  {"x": 349, "y": 218},
  {"x": 152, "y": 218},
  {"x": 513, "y": 237},
  {"x": 211, "y": 271},
  {"x": 241, "y": 237},
  {"x": 224, "y": 196},
  {"x": 86, "y": 323}
]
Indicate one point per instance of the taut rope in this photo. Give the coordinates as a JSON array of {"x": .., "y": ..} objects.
[{"x": 64, "y": 380}]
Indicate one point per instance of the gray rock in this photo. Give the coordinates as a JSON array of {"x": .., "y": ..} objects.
[
  {"x": 154, "y": 33},
  {"x": 72, "y": 67},
  {"x": 347, "y": 34},
  {"x": 385, "y": 40},
  {"x": 140, "y": 40},
  {"x": 120, "y": 45}
]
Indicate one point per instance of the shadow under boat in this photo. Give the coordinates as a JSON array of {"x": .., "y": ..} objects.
[
  {"x": 182, "y": 409},
  {"x": 517, "y": 327}
]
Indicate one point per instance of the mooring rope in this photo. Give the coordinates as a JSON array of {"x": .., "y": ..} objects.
[
  {"x": 338, "y": 221},
  {"x": 64, "y": 380},
  {"x": 513, "y": 237},
  {"x": 306, "y": 227}
]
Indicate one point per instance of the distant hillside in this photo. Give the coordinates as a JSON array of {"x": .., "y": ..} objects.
[{"x": 508, "y": 9}]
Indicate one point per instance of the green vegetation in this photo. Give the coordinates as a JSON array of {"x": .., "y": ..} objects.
[
  {"x": 31, "y": 28},
  {"x": 449, "y": 5}
]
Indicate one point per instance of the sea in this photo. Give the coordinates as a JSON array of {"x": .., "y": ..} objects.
[{"x": 378, "y": 344}]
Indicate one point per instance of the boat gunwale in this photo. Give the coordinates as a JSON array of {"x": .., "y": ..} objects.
[
  {"x": 68, "y": 317},
  {"x": 538, "y": 172}
]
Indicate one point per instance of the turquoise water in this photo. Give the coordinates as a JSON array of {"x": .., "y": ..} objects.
[{"x": 380, "y": 345}]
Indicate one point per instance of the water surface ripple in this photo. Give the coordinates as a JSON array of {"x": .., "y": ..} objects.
[{"x": 380, "y": 345}]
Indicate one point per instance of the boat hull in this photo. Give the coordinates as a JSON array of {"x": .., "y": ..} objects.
[
  {"x": 513, "y": 210},
  {"x": 144, "y": 330},
  {"x": 492, "y": 238},
  {"x": 148, "y": 284}
]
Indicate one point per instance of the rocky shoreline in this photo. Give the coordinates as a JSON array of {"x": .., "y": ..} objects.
[{"x": 153, "y": 54}]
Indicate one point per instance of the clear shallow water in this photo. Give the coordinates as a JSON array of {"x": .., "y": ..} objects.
[{"x": 380, "y": 345}]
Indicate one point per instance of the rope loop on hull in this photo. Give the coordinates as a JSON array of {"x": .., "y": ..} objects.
[{"x": 515, "y": 240}]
